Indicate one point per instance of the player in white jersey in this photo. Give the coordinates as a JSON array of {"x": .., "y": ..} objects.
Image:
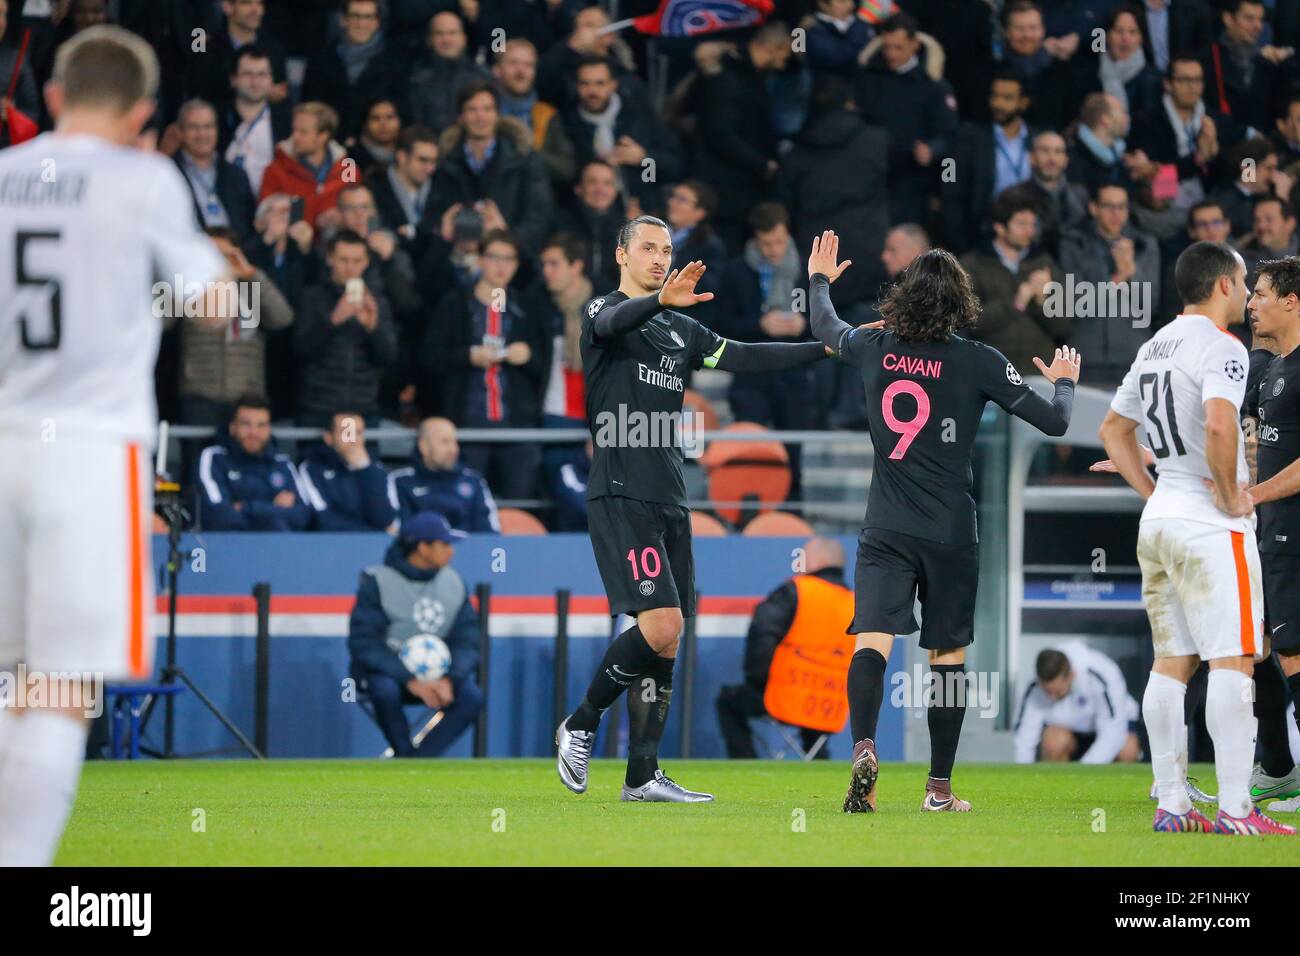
[
  {"x": 87, "y": 221},
  {"x": 1201, "y": 578}
]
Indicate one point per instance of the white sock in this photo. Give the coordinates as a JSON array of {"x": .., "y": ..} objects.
[
  {"x": 1162, "y": 709},
  {"x": 38, "y": 784},
  {"x": 1230, "y": 718}
]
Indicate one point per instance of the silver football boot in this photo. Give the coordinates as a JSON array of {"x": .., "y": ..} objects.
[
  {"x": 574, "y": 753},
  {"x": 663, "y": 789}
]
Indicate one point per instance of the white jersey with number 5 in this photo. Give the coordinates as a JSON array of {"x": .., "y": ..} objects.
[
  {"x": 86, "y": 228},
  {"x": 1184, "y": 365}
]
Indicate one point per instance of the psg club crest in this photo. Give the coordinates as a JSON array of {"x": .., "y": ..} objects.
[
  {"x": 594, "y": 307},
  {"x": 1278, "y": 386},
  {"x": 677, "y": 339},
  {"x": 277, "y": 480},
  {"x": 1234, "y": 370},
  {"x": 647, "y": 588},
  {"x": 428, "y": 615},
  {"x": 1013, "y": 376}
]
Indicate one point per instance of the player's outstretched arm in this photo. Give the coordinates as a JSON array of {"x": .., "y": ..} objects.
[
  {"x": 1051, "y": 417},
  {"x": 1119, "y": 436},
  {"x": 732, "y": 356},
  {"x": 823, "y": 269},
  {"x": 626, "y": 316}
]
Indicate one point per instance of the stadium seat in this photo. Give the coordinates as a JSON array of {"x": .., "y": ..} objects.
[
  {"x": 516, "y": 521},
  {"x": 790, "y": 734},
  {"x": 778, "y": 524},
  {"x": 704, "y": 525},
  {"x": 741, "y": 470},
  {"x": 129, "y": 703},
  {"x": 703, "y": 407}
]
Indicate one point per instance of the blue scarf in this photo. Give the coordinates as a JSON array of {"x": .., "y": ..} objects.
[{"x": 1106, "y": 155}]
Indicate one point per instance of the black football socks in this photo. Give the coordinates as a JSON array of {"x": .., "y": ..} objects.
[
  {"x": 1293, "y": 682},
  {"x": 1270, "y": 712},
  {"x": 866, "y": 691},
  {"x": 626, "y": 659},
  {"x": 945, "y": 711},
  {"x": 647, "y": 708}
]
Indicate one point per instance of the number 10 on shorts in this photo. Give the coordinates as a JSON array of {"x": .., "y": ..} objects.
[{"x": 650, "y": 565}]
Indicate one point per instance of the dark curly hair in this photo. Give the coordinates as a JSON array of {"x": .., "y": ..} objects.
[
  {"x": 1283, "y": 275},
  {"x": 932, "y": 299}
]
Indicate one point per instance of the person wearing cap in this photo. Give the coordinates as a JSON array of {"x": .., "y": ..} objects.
[{"x": 416, "y": 591}]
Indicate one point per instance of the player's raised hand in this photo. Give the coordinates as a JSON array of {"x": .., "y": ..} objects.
[
  {"x": 824, "y": 256},
  {"x": 1065, "y": 364},
  {"x": 679, "y": 288}
]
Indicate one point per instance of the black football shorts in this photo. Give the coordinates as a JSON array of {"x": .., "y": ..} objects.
[
  {"x": 894, "y": 569},
  {"x": 643, "y": 552},
  {"x": 1282, "y": 599}
]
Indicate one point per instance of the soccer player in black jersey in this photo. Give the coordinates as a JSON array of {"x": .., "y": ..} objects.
[
  {"x": 636, "y": 349},
  {"x": 1273, "y": 402},
  {"x": 926, "y": 390}
]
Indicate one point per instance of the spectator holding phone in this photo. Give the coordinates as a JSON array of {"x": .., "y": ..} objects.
[
  {"x": 344, "y": 338},
  {"x": 487, "y": 360}
]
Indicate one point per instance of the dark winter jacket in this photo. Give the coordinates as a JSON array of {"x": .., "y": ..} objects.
[
  {"x": 460, "y": 495},
  {"x": 326, "y": 80},
  {"x": 835, "y": 178},
  {"x": 226, "y": 476},
  {"x": 340, "y": 365},
  {"x": 342, "y": 498},
  {"x": 516, "y": 180},
  {"x": 446, "y": 369}
]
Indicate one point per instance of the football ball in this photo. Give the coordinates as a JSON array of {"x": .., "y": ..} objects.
[{"x": 426, "y": 656}]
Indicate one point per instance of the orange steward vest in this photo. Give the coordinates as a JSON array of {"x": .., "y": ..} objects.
[{"x": 807, "y": 682}]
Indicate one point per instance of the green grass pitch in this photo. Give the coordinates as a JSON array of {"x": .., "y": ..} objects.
[{"x": 515, "y": 812}]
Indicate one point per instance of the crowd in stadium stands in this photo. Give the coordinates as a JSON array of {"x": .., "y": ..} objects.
[{"x": 426, "y": 192}]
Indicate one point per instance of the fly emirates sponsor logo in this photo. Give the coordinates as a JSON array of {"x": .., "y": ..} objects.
[{"x": 665, "y": 376}]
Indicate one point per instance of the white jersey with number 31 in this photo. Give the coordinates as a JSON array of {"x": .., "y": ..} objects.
[
  {"x": 86, "y": 228},
  {"x": 1184, "y": 365}
]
